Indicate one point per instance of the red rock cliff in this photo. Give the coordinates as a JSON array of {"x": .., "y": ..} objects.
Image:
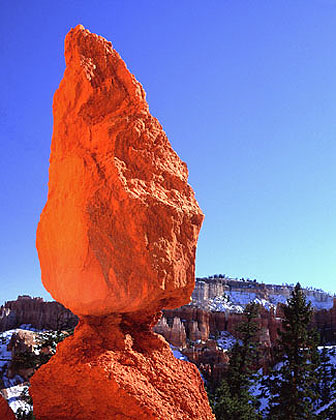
[
  {"x": 37, "y": 313},
  {"x": 116, "y": 242}
]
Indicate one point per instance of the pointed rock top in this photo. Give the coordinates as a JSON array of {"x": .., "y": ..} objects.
[
  {"x": 120, "y": 227},
  {"x": 92, "y": 59}
]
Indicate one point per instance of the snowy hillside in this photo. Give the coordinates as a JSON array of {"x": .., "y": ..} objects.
[{"x": 235, "y": 301}]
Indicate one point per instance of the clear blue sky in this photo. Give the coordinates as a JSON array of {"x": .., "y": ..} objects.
[{"x": 246, "y": 91}]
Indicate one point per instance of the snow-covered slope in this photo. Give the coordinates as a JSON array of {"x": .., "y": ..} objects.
[
  {"x": 235, "y": 301},
  {"x": 257, "y": 388}
]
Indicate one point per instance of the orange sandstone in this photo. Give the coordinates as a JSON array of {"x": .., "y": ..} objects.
[
  {"x": 109, "y": 371},
  {"x": 119, "y": 230},
  {"x": 116, "y": 242},
  {"x": 5, "y": 412}
]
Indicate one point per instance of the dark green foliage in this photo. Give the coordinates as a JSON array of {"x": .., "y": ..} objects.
[
  {"x": 326, "y": 374},
  {"x": 232, "y": 399},
  {"x": 292, "y": 386},
  {"x": 230, "y": 406},
  {"x": 244, "y": 354}
]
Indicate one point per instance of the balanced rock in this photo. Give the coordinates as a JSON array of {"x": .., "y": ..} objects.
[
  {"x": 119, "y": 230},
  {"x": 116, "y": 242}
]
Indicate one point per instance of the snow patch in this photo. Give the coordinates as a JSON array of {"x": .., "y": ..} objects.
[
  {"x": 177, "y": 353},
  {"x": 226, "y": 340},
  {"x": 236, "y": 301}
]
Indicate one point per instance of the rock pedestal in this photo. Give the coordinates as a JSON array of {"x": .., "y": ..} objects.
[
  {"x": 116, "y": 242},
  {"x": 112, "y": 371}
]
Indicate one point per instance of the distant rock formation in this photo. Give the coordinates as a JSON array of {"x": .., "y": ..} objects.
[
  {"x": 190, "y": 328},
  {"x": 325, "y": 322},
  {"x": 116, "y": 242},
  {"x": 37, "y": 313},
  {"x": 195, "y": 332},
  {"x": 243, "y": 291},
  {"x": 217, "y": 306},
  {"x": 174, "y": 334}
]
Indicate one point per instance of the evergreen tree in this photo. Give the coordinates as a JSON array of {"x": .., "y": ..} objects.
[
  {"x": 326, "y": 376},
  {"x": 233, "y": 399},
  {"x": 230, "y": 406},
  {"x": 327, "y": 384},
  {"x": 292, "y": 384}
]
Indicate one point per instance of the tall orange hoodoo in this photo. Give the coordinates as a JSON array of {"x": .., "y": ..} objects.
[{"x": 116, "y": 242}]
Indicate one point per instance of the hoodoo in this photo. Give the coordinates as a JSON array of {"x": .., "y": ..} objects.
[{"x": 116, "y": 242}]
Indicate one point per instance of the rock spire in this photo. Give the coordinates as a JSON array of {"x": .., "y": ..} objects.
[{"x": 116, "y": 242}]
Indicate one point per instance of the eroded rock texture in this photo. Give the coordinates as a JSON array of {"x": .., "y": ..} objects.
[
  {"x": 5, "y": 412},
  {"x": 116, "y": 243},
  {"x": 117, "y": 371},
  {"x": 119, "y": 230}
]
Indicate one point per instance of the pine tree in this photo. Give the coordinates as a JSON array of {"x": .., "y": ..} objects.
[
  {"x": 326, "y": 384},
  {"x": 233, "y": 399},
  {"x": 230, "y": 406},
  {"x": 326, "y": 375},
  {"x": 292, "y": 384}
]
